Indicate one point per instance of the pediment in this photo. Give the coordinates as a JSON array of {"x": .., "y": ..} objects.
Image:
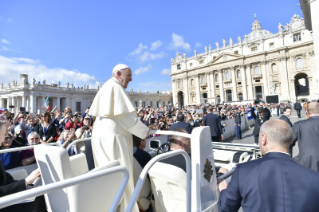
[{"x": 224, "y": 57}]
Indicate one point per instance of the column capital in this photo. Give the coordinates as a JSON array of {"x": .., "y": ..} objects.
[
  {"x": 263, "y": 62},
  {"x": 242, "y": 66}
]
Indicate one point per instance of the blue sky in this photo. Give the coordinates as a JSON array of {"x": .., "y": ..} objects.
[{"x": 81, "y": 41}]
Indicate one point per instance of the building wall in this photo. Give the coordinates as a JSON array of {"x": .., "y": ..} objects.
[
  {"x": 33, "y": 96},
  {"x": 194, "y": 78}
]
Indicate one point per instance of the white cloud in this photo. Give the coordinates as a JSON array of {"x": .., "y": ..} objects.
[
  {"x": 156, "y": 45},
  {"x": 178, "y": 42},
  {"x": 5, "y": 41},
  {"x": 138, "y": 50},
  {"x": 198, "y": 44},
  {"x": 156, "y": 84},
  {"x": 166, "y": 71},
  {"x": 143, "y": 69},
  {"x": 150, "y": 56},
  {"x": 35, "y": 69}
]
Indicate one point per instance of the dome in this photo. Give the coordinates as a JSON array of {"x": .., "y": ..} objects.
[{"x": 256, "y": 32}]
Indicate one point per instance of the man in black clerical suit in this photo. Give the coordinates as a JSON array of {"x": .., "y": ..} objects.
[
  {"x": 213, "y": 121},
  {"x": 306, "y": 132},
  {"x": 139, "y": 154},
  {"x": 260, "y": 118},
  {"x": 298, "y": 107},
  {"x": 286, "y": 116},
  {"x": 274, "y": 182},
  {"x": 181, "y": 124}
]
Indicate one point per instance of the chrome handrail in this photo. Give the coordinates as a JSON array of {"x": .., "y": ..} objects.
[
  {"x": 77, "y": 141},
  {"x": 15, "y": 149},
  {"x": 148, "y": 166},
  {"x": 186, "y": 135},
  {"x": 20, "y": 196}
]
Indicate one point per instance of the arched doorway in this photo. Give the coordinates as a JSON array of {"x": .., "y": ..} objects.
[
  {"x": 240, "y": 97},
  {"x": 228, "y": 95},
  {"x": 301, "y": 85},
  {"x": 180, "y": 97},
  {"x": 217, "y": 99}
]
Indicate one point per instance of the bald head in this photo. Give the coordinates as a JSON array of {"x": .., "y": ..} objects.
[
  {"x": 313, "y": 108},
  {"x": 276, "y": 135}
]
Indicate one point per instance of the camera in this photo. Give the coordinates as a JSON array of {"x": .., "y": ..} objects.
[{"x": 85, "y": 127}]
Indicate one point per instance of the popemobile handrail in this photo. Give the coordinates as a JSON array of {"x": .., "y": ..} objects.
[
  {"x": 186, "y": 135},
  {"x": 20, "y": 196},
  {"x": 148, "y": 166},
  {"x": 15, "y": 149},
  {"x": 77, "y": 141}
]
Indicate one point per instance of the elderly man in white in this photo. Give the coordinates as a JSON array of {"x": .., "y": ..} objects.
[{"x": 116, "y": 121}]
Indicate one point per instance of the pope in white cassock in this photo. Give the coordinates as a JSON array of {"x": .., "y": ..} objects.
[{"x": 116, "y": 121}]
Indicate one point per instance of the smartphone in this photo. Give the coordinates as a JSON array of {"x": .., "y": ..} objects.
[
  {"x": 72, "y": 130},
  {"x": 22, "y": 109}
]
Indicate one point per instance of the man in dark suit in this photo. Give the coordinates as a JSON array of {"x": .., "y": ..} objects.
[
  {"x": 285, "y": 117},
  {"x": 273, "y": 183},
  {"x": 139, "y": 154},
  {"x": 260, "y": 118},
  {"x": 237, "y": 118},
  {"x": 298, "y": 107},
  {"x": 181, "y": 124},
  {"x": 306, "y": 132},
  {"x": 213, "y": 121}
]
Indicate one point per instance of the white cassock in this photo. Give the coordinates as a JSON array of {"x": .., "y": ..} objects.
[{"x": 116, "y": 121}]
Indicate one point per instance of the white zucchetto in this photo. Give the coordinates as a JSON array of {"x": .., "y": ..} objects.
[{"x": 119, "y": 67}]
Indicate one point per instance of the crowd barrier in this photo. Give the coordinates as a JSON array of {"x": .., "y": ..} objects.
[{"x": 229, "y": 130}]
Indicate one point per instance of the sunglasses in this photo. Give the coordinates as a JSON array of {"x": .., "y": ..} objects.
[
  {"x": 34, "y": 138},
  {"x": 7, "y": 138}
]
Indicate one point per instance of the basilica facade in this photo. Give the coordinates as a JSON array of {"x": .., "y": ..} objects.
[
  {"x": 32, "y": 96},
  {"x": 259, "y": 65}
]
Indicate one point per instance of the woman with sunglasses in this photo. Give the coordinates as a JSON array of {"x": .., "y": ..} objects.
[{"x": 46, "y": 129}]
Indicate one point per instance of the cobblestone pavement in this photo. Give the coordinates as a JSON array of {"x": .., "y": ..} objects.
[{"x": 248, "y": 138}]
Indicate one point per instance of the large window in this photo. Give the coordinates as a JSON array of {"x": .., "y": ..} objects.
[
  {"x": 238, "y": 74},
  {"x": 216, "y": 78},
  {"x": 179, "y": 84},
  {"x": 227, "y": 76},
  {"x": 178, "y": 66},
  {"x": 254, "y": 48},
  {"x": 297, "y": 37},
  {"x": 192, "y": 82},
  {"x": 256, "y": 70},
  {"x": 274, "y": 67},
  {"x": 299, "y": 63},
  {"x": 203, "y": 79}
]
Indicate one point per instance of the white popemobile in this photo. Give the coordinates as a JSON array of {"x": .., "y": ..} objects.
[{"x": 68, "y": 185}]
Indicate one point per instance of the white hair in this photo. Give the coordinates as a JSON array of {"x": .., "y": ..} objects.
[
  {"x": 119, "y": 67},
  {"x": 33, "y": 133}
]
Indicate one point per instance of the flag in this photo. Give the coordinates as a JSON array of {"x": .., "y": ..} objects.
[
  {"x": 46, "y": 104},
  {"x": 2, "y": 110}
]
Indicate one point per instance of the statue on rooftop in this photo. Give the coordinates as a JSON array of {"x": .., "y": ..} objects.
[
  {"x": 230, "y": 41},
  {"x": 1, "y": 85},
  {"x": 72, "y": 86},
  {"x": 87, "y": 87},
  {"x": 34, "y": 81},
  {"x": 9, "y": 84},
  {"x": 224, "y": 43},
  {"x": 280, "y": 26},
  {"x": 59, "y": 84},
  {"x": 44, "y": 82},
  {"x": 217, "y": 45},
  {"x": 239, "y": 39},
  {"x": 205, "y": 49},
  {"x": 67, "y": 85},
  {"x": 210, "y": 48},
  {"x": 195, "y": 52}
]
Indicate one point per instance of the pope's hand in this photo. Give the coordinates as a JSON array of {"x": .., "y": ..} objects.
[{"x": 222, "y": 185}]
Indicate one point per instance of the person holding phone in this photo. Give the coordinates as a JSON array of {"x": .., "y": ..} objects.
[
  {"x": 66, "y": 138},
  {"x": 46, "y": 129}
]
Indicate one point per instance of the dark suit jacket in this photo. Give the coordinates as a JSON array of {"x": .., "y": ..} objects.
[
  {"x": 177, "y": 160},
  {"x": 274, "y": 183},
  {"x": 8, "y": 185},
  {"x": 213, "y": 121},
  {"x": 51, "y": 132},
  {"x": 286, "y": 119},
  {"x": 267, "y": 114},
  {"x": 297, "y": 106},
  {"x": 183, "y": 125},
  {"x": 142, "y": 157},
  {"x": 306, "y": 132}
]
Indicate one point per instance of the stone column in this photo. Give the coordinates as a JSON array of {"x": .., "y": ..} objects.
[
  {"x": 212, "y": 86},
  {"x": 174, "y": 92},
  {"x": 27, "y": 103},
  {"x": 197, "y": 89},
  {"x": 311, "y": 90},
  {"x": 293, "y": 90},
  {"x": 1, "y": 102},
  {"x": 8, "y": 102},
  {"x": 209, "y": 87},
  {"x": 265, "y": 78},
  {"x": 186, "y": 93},
  {"x": 234, "y": 84},
  {"x": 32, "y": 103},
  {"x": 23, "y": 101},
  {"x": 14, "y": 104},
  {"x": 243, "y": 81},
  {"x": 58, "y": 102},
  {"x": 18, "y": 104},
  {"x": 285, "y": 93},
  {"x": 42, "y": 102},
  {"x": 221, "y": 85},
  {"x": 249, "y": 83}
]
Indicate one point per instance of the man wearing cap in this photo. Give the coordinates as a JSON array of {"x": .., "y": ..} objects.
[{"x": 116, "y": 121}]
